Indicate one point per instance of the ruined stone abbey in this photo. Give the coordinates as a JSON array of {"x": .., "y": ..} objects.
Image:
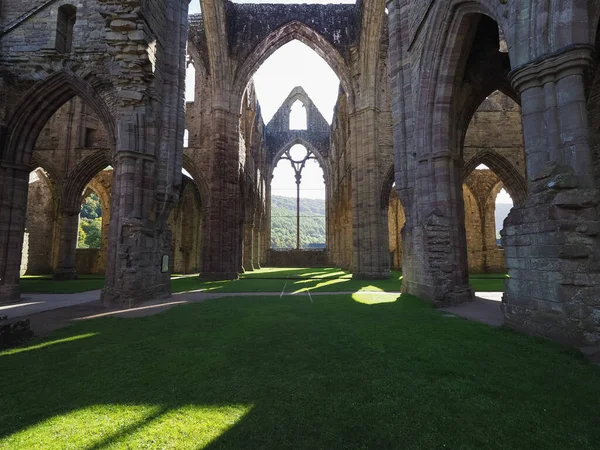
[{"x": 92, "y": 100}]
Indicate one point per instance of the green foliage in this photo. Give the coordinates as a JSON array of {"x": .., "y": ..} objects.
[
  {"x": 91, "y": 208},
  {"x": 90, "y": 233},
  {"x": 283, "y": 222},
  {"x": 90, "y": 223}
]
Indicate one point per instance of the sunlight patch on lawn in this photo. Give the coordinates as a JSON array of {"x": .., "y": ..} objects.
[
  {"x": 130, "y": 426},
  {"x": 14, "y": 351},
  {"x": 311, "y": 282},
  {"x": 374, "y": 298}
]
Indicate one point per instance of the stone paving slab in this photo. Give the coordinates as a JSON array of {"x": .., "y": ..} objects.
[
  {"x": 485, "y": 309},
  {"x": 36, "y": 303}
]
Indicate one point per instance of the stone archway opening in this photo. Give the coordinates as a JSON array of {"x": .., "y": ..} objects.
[
  {"x": 93, "y": 225},
  {"x": 494, "y": 157},
  {"x": 297, "y": 90},
  {"x": 186, "y": 225},
  {"x": 298, "y": 209},
  {"x": 74, "y": 145}
]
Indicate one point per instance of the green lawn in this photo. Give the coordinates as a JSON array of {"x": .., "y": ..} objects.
[
  {"x": 46, "y": 285},
  {"x": 345, "y": 372},
  {"x": 263, "y": 280}
]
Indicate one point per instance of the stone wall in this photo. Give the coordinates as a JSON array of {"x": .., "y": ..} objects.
[
  {"x": 298, "y": 258},
  {"x": 40, "y": 226}
]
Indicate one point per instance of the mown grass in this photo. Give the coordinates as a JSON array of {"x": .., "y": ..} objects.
[
  {"x": 352, "y": 372},
  {"x": 264, "y": 280},
  {"x": 46, "y": 285}
]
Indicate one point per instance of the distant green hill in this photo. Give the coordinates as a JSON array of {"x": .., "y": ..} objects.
[{"x": 283, "y": 222}]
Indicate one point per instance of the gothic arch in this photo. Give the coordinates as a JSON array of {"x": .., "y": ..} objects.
[
  {"x": 200, "y": 182},
  {"x": 41, "y": 102},
  {"x": 81, "y": 177},
  {"x": 514, "y": 183},
  {"x": 49, "y": 170},
  {"x": 294, "y": 30},
  {"x": 309, "y": 146},
  {"x": 386, "y": 187}
]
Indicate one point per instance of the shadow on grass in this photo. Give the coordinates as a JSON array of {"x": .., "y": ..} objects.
[{"x": 287, "y": 373}]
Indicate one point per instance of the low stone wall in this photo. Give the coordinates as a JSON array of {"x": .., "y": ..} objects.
[
  {"x": 298, "y": 258},
  {"x": 87, "y": 261}
]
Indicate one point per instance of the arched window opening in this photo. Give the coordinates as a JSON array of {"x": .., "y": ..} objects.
[
  {"x": 295, "y": 64},
  {"x": 90, "y": 222},
  {"x": 298, "y": 119},
  {"x": 190, "y": 82},
  {"x": 186, "y": 139},
  {"x": 504, "y": 204},
  {"x": 482, "y": 167},
  {"x": 298, "y": 202},
  {"x": 65, "y": 23}
]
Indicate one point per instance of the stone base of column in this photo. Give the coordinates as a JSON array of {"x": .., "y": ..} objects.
[
  {"x": 430, "y": 270},
  {"x": 552, "y": 248},
  {"x": 9, "y": 293},
  {"x": 248, "y": 268},
  {"x": 219, "y": 276},
  {"x": 65, "y": 276},
  {"x": 111, "y": 298}
]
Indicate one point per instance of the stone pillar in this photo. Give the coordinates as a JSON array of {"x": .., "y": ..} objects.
[
  {"x": 222, "y": 256},
  {"x": 69, "y": 230},
  {"x": 248, "y": 247},
  {"x": 370, "y": 245},
  {"x": 436, "y": 266},
  {"x": 552, "y": 240},
  {"x": 138, "y": 242},
  {"x": 257, "y": 247},
  {"x": 14, "y": 183}
]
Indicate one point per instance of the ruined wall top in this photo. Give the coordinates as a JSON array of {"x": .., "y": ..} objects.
[{"x": 279, "y": 136}]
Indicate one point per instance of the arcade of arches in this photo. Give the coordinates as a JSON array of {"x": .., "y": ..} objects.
[{"x": 441, "y": 106}]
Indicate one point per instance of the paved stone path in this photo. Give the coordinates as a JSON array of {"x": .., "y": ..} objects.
[
  {"x": 485, "y": 308},
  {"x": 36, "y": 303},
  {"x": 86, "y": 305}
]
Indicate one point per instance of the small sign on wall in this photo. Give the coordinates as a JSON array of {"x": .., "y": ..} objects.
[{"x": 165, "y": 264}]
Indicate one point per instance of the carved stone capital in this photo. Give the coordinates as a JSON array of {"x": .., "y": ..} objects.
[{"x": 572, "y": 60}]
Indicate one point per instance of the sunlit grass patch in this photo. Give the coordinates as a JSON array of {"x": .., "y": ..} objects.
[
  {"x": 374, "y": 298},
  {"x": 47, "y": 343},
  {"x": 130, "y": 426}
]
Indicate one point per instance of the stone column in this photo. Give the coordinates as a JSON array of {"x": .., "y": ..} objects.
[
  {"x": 370, "y": 246},
  {"x": 139, "y": 244},
  {"x": 248, "y": 247},
  {"x": 222, "y": 256},
  {"x": 551, "y": 240},
  {"x": 257, "y": 247},
  {"x": 14, "y": 184},
  {"x": 69, "y": 230}
]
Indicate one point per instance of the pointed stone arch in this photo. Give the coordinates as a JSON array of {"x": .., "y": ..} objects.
[
  {"x": 42, "y": 101},
  {"x": 200, "y": 182},
  {"x": 514, "y": 183},
  {"x": 300, "y": 141},
  {"x": 294, "y": 30},
  {"x": 386, "y": 187},
  {"x": 81, "y": 177}
]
